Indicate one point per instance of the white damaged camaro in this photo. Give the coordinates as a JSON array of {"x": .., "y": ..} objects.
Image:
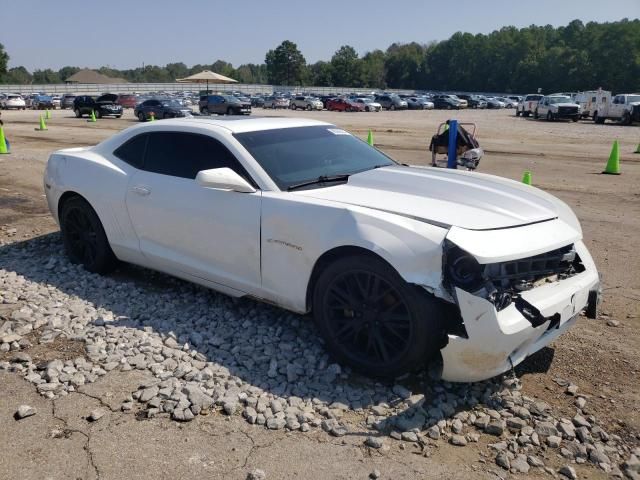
[{"x": 399, "y": 265}]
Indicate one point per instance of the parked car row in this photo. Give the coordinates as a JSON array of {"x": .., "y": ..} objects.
[{"x": 598, "y": 105}]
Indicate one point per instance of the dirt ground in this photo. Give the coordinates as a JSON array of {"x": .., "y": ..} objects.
[{"x": 565, "y": 158}]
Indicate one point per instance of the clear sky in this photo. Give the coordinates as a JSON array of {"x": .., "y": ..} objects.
[{"x": 123, "y": 34}]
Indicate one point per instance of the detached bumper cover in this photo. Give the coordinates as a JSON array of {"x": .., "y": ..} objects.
[{"x": 499, "y": 340}]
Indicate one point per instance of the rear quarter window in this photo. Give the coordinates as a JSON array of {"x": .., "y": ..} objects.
[{"x": 133, "y": 150}]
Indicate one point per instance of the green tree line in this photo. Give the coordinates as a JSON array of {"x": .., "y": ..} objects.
[{"x": 568, "y": 58}]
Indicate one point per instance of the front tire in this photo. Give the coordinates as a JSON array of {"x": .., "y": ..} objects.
[
  {"x": 549, "y": 117},
  {"x": 141, "y": 116},
  {"x": 78, "y": 113},
  {"x": 374, "y": 321},
  {"x": 84, "y": 239}
]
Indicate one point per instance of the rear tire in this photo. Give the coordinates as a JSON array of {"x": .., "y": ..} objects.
[
  {"x": 374, "y": 321},
  {"x": 78, "y": 113},
  {"x": 84, "y": 239}
]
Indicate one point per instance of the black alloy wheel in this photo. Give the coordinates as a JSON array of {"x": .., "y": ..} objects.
[
  {"x": 373, "y": 320},
  {"x": 84, "y": 238}
]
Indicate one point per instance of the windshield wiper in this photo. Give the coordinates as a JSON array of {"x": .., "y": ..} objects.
[{"x": 321, "y": 179}]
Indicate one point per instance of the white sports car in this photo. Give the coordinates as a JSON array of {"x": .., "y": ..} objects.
[{"x": 399, "y": 265}]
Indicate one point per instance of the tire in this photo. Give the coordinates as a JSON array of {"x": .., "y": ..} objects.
[
  {"x": 517, "y": 113},
  {"x": 309, "y": 107},
  {"x": 98, "y": 114},
  {"x": 626, "y": 118},
  {"x": 535, "y": 114},
  {"x": 118, "y": 116},
  {"x": 141, "y": 116},
  {"x": 84, "y": 240},
  {"x": 229, "y": 111},
  {"x": 392, "y": 107},
  {"x": 526, "y": 114},
  {"x": 597, "y": 119},
  {"x": 575, "y": 119},
  {"x": 78, "y": 113},
  {"x": 549, "y": 117},
  {"x": 387, "y": 343}
]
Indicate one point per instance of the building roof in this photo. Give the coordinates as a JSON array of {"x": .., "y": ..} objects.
[{"x": 91, "y": 76}]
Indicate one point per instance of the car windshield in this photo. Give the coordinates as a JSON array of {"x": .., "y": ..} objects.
[
  {"x": 560, "y": 100},
  {"x": 291, "y": 156}
]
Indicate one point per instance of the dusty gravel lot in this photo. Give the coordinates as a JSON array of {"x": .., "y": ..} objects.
[{"x": 601, "y": 357}]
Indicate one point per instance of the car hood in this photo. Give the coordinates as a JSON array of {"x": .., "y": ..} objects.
[
  {"x": 566, "y": 104},
  {"x": 443, "y": 197},
  {"x": 107, "y": 97}
]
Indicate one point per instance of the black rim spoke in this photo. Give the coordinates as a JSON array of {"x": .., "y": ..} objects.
[
  {"x": 368, "y": 317},
  {"x": 81, "y": 235}
]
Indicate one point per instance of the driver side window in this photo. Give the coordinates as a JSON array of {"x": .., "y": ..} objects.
[{"x": 183, "y": 155}]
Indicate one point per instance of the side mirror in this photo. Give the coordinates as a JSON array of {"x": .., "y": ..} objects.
[{"x": 223, "y": 179}]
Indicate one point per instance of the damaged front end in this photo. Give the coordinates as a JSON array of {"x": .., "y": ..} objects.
[{"x": 510, "y": 309}]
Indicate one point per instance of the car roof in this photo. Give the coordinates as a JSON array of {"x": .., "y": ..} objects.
[{"x": 244, "y": 124}]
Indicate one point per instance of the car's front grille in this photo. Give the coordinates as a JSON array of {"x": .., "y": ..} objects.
[
  {"x": 523, "y": 273},
  {"x": 567, "y": 110}
]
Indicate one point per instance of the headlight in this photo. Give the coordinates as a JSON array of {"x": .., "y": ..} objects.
[{"x": 462, "y": 269}]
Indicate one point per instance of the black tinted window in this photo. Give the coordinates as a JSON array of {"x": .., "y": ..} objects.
[
  {"x": 132, "y": 151},
  {"x": 295, "y": 155},
  {"x": 185, "y": 154}
]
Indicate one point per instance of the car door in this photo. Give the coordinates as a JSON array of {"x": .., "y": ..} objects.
[
  {"x": 617, "y": 106},
  {"x": 542, "y": 107},
  {"x": 183, "y": 227},
  {"x": 156, "y": 107}
]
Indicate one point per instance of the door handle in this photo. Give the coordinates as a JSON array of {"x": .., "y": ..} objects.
[{"x": 141, "y": 190}]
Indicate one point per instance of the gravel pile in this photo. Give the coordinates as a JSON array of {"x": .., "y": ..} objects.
[{"x": 209, "y": 352}]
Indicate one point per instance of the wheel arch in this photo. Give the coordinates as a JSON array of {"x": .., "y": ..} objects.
[
  {"x": 68, "y": 195},
  {"x": 332, "y": 255}
]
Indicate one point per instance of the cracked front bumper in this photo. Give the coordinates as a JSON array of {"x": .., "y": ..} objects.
[{"x": 497, "y": 341}]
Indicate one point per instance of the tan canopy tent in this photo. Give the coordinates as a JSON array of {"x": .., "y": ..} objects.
[{"x": 206, "y": 76}]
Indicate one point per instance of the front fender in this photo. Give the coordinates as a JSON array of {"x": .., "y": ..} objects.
[{"x": 297, "y": 231}]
